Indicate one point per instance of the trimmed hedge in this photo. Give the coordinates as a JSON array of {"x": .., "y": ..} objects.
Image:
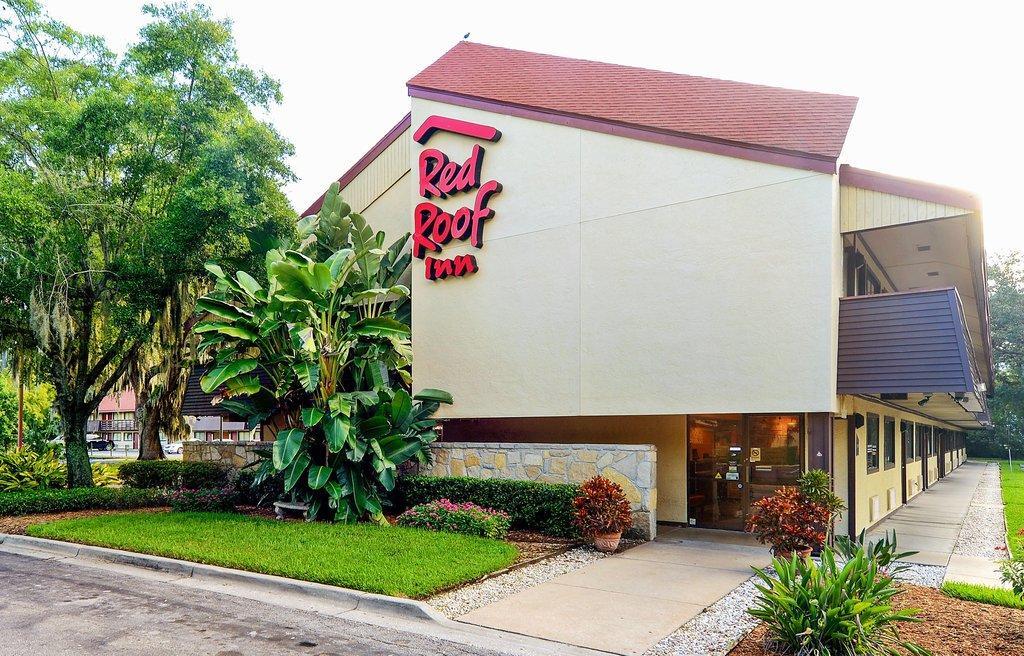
[
  {"x": 80, "y": 498},
  {"x": 173, "y": 474},
  {"x": 544, "y": 507}
]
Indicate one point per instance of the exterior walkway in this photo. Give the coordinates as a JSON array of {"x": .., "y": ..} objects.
[
  {"x": 626, "y": 603},
  {"x": 932, "y": 521}
]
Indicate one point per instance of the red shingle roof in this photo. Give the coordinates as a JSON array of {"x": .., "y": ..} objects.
[{"x": 721, "y": 110}]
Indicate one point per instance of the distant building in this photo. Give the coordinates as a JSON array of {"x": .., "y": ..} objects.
[
  {"x": 115, "y": 421},
  {"x": 208, "y": 421}
]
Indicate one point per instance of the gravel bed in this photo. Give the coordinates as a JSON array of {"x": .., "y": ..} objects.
[
  {"x": 475, "y": 595},
  {"x": 984, "y": 531},
  {"x": 715, "y": 630},
  {"x": 929, "y": 576}
]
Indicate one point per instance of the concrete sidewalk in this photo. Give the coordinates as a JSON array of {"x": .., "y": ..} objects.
[
  {"x": 626, "y": 603},
  {"x": 931, "y": 523}
]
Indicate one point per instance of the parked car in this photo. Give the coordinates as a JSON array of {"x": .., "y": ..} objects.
[{"x": 177, "y": 447}]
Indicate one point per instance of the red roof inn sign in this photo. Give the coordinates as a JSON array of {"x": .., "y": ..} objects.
[{"x": 440, "y": 178}]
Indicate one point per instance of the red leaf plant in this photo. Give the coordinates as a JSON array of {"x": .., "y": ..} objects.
[
  {"x": 601, "y": 508},
  {"x": 789, "y": 521}
]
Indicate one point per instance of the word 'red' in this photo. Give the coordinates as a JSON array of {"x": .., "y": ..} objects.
[{"x": 440, "y": 178}]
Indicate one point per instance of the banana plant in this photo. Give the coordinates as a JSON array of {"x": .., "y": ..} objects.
[{"x": 317, "y": 347}]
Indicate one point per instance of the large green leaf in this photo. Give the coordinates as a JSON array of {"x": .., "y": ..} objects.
[
  {"x": 311, "y": 416},
  {"x": 295, "y": 471},
  {"x": 333, "y": 493},
  {"x": 375, "y": 427},
  {"x": 308, "y": 373},
  {"x": 240, "y": 331},
  {"x": 318, "y": 476},
  {"x": 436, "y": 395},
  {"x": 286, "y": 446},
  {"x": 245, "y": 384},
  {"x": 401, "y": 409},
  {"x": 296, "y": 281},
  {"x": 340, "y": 404},
  {"x": 249, "y": 284},
  {"x": 222, "y": 309},
  {"x": 225, "y": 372},
  {"x": 381, "y": 327},
  {"x": 337, "y": 429}
]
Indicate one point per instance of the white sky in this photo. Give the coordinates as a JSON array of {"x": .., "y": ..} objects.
[{"x": 940, "y": 85}]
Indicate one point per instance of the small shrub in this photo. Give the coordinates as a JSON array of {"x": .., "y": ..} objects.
[
  {"x": 1012, "y": 573},
  {"x": 104, "y": 475},
  {"x": 601, "y": 508},
  {"x": 208, "y": 500},
  {"x": 22, "y": 469},
  {"x": 831, "y": 608},
  {"x": 173, "y": 474},
  {"x": 466, "y": 518},
  {"x": 543, "y": 507},
  {"x": 79, "y": 498},
  {"x": 267, "y": 491},
  {"x": 789, "y": 521},
  {"x": 884, "y": 551}
]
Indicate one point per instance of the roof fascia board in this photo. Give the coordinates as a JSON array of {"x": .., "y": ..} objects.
[{"x": 890, "y": 184}]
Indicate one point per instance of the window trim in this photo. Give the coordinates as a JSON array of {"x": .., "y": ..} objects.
[
  {"x": 886, "y": 463},
  {"x": 867, "y": 443}
]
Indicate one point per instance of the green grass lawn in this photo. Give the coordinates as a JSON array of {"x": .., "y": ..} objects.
[
  {"x": 982, "y": 594},
  {"x": 394, "y": 561},
  {"x": 1012, "y": 482}
]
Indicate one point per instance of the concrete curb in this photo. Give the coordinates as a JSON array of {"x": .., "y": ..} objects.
[
  {"x": 352, "y": 599},
  {"x": 404, "y": 614}
]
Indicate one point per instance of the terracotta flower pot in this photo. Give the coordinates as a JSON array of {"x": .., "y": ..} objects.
[
  {"x": 607, "y": 542},
  {"x": 783, "y": 554}
]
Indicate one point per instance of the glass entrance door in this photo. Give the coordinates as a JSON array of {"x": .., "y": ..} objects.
[
  {"x": 734, "y": 460},
  {"x": 716, "y": 477}
]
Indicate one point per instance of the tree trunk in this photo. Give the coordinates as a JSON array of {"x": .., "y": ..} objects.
[
  {"x": 149, "y": 432},
  {"x": 76, "y": 448}
]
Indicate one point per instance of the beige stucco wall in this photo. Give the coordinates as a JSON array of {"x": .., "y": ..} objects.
[
  {"x": 666, "y": 433},
  {"x": 624, "y": 277}
]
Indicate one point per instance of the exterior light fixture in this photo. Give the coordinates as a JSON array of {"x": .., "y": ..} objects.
[{"x": 926, "y": 399}]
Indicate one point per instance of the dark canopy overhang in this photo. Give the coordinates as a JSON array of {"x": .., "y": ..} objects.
[{"x": 912, "y": 349}]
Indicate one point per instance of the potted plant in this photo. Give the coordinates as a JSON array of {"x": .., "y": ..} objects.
[
  {"x": 790, "y": 522},
  {"x": 602, "y": 513}
]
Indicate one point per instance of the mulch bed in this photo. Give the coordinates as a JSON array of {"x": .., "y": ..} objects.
[
  {"x": 15, "y": 525},
  {"x": 951, "y": 627}
]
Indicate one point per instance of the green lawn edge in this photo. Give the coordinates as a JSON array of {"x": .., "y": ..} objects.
[
  {"x": 1011, "y": 483},
  {"x": 395, "y": 561},
  {"x": 982, "y": 594}
]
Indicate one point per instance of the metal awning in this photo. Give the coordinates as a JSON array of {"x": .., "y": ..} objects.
[{"x": 912, "y": 349}]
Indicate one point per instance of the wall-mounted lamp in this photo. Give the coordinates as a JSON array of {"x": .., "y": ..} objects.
[{"x": 926, "y": 399}]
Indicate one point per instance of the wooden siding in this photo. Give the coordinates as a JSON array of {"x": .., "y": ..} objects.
[
  {"x": 377, "y": 177},
  {"x": 908, "y": 342},
  {"x": 864, "y": 209}
]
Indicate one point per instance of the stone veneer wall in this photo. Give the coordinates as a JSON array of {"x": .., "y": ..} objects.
[
  {"x": 226, "y": 452},
  {"x": 632, "y": 466}
]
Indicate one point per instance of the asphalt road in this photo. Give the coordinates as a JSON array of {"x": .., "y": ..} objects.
[{"x": 55, "y": 608}]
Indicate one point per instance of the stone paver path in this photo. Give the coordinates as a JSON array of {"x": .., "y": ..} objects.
[
  {"x": 626, "y": 603},
  {"x": 932, "y": 522}
]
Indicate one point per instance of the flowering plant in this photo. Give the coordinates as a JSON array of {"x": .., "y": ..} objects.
[
  {"x": 789, "y": 521},
  {"x": 601, "y": 508},
  {"x": 466, "y": 518},
  {"x": 207, "y": 500}
]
